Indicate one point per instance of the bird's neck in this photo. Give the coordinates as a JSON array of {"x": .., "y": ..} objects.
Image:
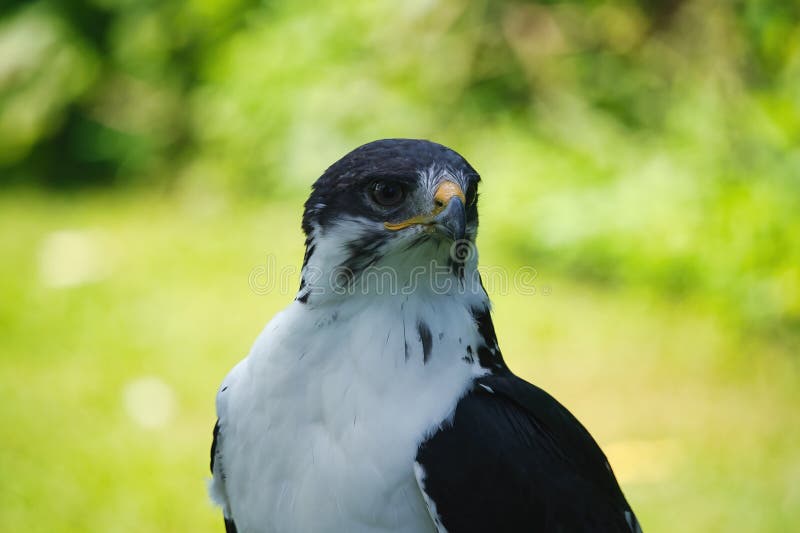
[
  {"x": 332, "y": 273},
  {"x": 420, "y": 296},
  {"x": 401, "y": 332}
]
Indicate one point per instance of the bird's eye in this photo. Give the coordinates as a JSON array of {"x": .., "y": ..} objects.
[{"x": 387, "y": 193}]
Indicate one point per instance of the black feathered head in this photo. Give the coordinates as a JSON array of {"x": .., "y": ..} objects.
[
  {"x": 401, "y": 183},
  {"x": 394, "y": 203}
]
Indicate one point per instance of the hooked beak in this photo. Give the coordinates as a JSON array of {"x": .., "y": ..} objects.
[
  {"x": 447, "y": 217},
  {"x": 453, "y": 220}
]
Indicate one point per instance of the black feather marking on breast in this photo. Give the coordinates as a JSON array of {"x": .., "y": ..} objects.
[
  {"x": 310, "y": 247},
  {"x": 405, "y": 336},
  {"x": 489, "y": 355},
  {"x": 468, "y": 358},
  {"x": 487, "y": 359},
  {"x": 456, "y": 269},
  {"x": 427, "y": 340},
  {"x": 230, "y": 527},
  {"x": 214, "y": 445}
]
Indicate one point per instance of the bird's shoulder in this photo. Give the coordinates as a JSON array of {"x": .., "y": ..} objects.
[
  {"x": 513, "y": 456},
  {"x": 217, "y": 485},
  {"x": 223, "y": 394}
]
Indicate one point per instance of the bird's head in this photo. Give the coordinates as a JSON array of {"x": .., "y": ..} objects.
[{"x": 391, "y": 204}]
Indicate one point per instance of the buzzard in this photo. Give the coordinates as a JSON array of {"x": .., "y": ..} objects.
[{"x": 379, "y": 400}]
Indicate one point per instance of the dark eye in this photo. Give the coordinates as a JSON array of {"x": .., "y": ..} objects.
[{"x": 387, "y": 193}]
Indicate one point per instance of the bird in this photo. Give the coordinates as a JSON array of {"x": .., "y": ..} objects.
[{"x": 378, "y": 400}]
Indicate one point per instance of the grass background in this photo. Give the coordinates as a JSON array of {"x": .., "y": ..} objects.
[{"x": 643, "y": 156}]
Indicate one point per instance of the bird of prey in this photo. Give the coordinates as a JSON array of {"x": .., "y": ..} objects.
[{"x": 378, "y": 400}]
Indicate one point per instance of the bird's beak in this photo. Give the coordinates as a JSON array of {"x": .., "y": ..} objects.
[
  {"x": 452, "y": 221},
  {"x": 448, "y": 215}
]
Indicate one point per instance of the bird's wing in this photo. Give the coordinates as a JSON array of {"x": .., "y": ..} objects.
[
  {"x": 514, "y": 459},
  {"x": 217, "y": 487}
]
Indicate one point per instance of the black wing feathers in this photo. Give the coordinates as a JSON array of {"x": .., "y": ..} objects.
[
  {"x": 214, "y": 446},
  {"x": 514, "y": 459},
  {"x": 230, "y": 526}
]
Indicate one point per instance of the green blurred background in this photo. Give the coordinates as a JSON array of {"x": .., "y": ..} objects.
[{"x": 642, "y": 156}]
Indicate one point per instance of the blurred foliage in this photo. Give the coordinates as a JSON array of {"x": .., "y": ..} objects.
[{"x": 649, "y": 143}]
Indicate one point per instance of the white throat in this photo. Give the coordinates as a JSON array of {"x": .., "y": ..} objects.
[{"x": 416, "y": 265}]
